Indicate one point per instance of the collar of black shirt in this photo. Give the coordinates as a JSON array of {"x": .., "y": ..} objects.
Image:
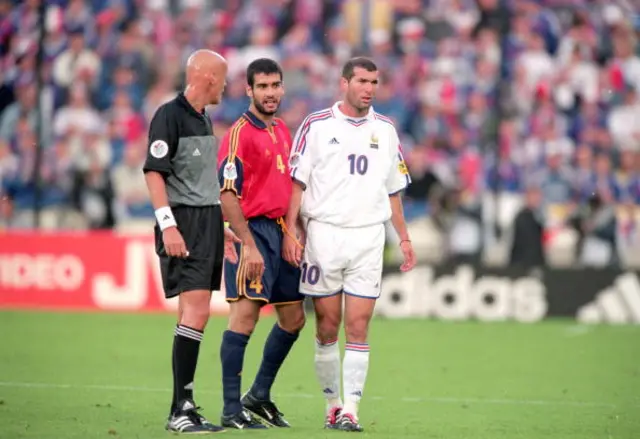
[{"x": 185, "y": 103}]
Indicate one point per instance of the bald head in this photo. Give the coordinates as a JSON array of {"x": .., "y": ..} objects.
[
  {"x": 205, "y": 62},
  {"x": 206, "y": 73}
]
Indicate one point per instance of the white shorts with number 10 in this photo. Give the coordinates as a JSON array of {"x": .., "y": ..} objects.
[{"x": 338, "y": 259}]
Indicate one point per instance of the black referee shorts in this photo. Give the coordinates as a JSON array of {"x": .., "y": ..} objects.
[{"x": 202, "y": 229}]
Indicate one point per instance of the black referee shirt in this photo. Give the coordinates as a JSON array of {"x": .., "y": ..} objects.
[{"x": 183, "y": 148}]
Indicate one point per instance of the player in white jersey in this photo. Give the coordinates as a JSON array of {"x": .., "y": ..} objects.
[{"x": 349, "y": 172}]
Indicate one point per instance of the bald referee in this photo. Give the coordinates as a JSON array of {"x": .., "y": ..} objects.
[{"x": 180, "y": 171}]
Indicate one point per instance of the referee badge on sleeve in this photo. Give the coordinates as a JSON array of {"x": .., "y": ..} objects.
[
  {"x": 159, "y": 149},
  {"x": 230, "y": 172}
]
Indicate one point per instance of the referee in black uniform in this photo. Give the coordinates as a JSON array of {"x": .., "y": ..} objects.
[{"x": 181, "y": 174}]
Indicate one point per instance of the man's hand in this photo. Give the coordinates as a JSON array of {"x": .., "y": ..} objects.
[
  {"x": 230, "y": 240},
  {"x": 292, "y": 248},
  {"x": 253, "y": 261},
  {"x": 409, "y": 256},
  {"x": 291, "y": 251},
  {"x": 173, "y": 243}
]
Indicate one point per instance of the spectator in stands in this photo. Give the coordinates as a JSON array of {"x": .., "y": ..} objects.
[
  {"x": 76, "y": 64},
  {"x": 583, "y": 175},
  {"x": 93, "y": 196},
  {"x": 125, "y": 125},
  {"x": 76, "y": 15},
  {"x": 422, "y": 193},
  {"x": 162, "y": 91},
  {"x": 579, "y": 42},
  {"x": 125, "y": 80},
  {"x": 8, "y": 165},
  {"x": 536, "y": 62},
  {"x": 570, "y": 74},
  {"x": 262, "y": 44},
  {"x": 235, "y": 99},
  {"x": 587, "y": 124},
  {"x": 24, "y": 106},
  {"x": 465, "y": 233},
  {"x": 603, "y": 182},
  {"x": 596, "y": 225},
  {"x": 390, "y": 104},
  {"x": 627, "y": 178},
  {"x": 21, "y": 182},
  {"x": 555, "y": 179},
  {"x": 131, "y": 192},
  {"x": 132, "y": 53},
  {"x": 624, "y": 65},
  {"x": 527, "y": 236},
  {"x": 7, "y": 219},
  {"x": 623, "y": 120},
  {"x": 72, "y": 121}
]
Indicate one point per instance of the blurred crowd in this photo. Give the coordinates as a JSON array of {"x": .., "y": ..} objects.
[{"x": 492, "y": 99}]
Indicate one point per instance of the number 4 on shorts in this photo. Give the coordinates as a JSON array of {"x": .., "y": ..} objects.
[{"x": 256, "y": 285}]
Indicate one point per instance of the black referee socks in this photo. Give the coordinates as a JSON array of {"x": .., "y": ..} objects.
[{"x": 186, "y": 346}]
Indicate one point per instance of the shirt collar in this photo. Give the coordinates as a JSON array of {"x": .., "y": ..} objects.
[
  {"x": 253, "y": 119},
  {"x": 371, "y": 115},
  {"x": 185, "y": 103}
]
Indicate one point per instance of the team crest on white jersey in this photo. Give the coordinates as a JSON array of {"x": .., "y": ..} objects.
[{"x": 374, "y": 141}]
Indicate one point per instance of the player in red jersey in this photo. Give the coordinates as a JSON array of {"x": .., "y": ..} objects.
[{"x": 256, "y": 188}]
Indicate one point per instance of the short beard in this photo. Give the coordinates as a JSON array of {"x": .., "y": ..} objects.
[
  {"x": 358, "y": 108},
  {"x": 262, "y": 110}
]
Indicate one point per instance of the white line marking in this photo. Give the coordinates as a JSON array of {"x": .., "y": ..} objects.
[
  {"x": 578, "y": 330},
  {"x": 444, "y": 400}
]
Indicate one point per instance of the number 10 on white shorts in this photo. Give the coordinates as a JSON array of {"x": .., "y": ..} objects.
[{"x": 339, "y": 259}]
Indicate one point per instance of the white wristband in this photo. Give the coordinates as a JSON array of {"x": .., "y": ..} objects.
[{"x": 165, "y": 218}]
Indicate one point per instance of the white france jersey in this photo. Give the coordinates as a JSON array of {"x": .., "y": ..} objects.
[{"x": 348, "y": 166}]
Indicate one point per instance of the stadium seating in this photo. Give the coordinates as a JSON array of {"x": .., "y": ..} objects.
[{"x": 489, "y": 106}]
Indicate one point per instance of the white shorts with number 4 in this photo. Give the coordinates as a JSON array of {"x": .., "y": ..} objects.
[{"x": 338, "y": 259}]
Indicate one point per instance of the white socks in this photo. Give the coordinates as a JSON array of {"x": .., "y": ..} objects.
[
  {"x": 327, "y": 362},
  {"x": 354, "y": 371}
]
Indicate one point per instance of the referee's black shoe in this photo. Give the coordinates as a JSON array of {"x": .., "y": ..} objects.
[
  {"x": 265, "y": 410},
  {"x": 243, "y": 420},
  {"x": 187, "y": 420}
]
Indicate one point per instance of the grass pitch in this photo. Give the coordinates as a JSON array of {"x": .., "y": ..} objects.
[{"x": 108, "y": 376}]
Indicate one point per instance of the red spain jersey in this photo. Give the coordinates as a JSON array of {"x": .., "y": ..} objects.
[{"x": 253, "y": 163}]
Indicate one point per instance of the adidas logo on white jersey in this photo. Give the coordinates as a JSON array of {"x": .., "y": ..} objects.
[
  {"x": 619, "y": 303},
  {"x": 196, "y": 153},
  {"x": 334, "y": 141}
]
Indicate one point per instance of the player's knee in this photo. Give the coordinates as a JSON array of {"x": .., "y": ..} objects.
[
  {"x": 356, "y": 329},
  {"x": 327, "y": 328},
  {"x": 293, "y": 320},
  {"x": 194, "y": 309},
  {"x": 243, "y": 316},
  {"x": 244, "y": 326},
  {"x": 195, "y": 317}
]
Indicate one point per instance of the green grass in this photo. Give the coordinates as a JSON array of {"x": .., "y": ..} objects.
[{"x": 108, "y": 375}]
